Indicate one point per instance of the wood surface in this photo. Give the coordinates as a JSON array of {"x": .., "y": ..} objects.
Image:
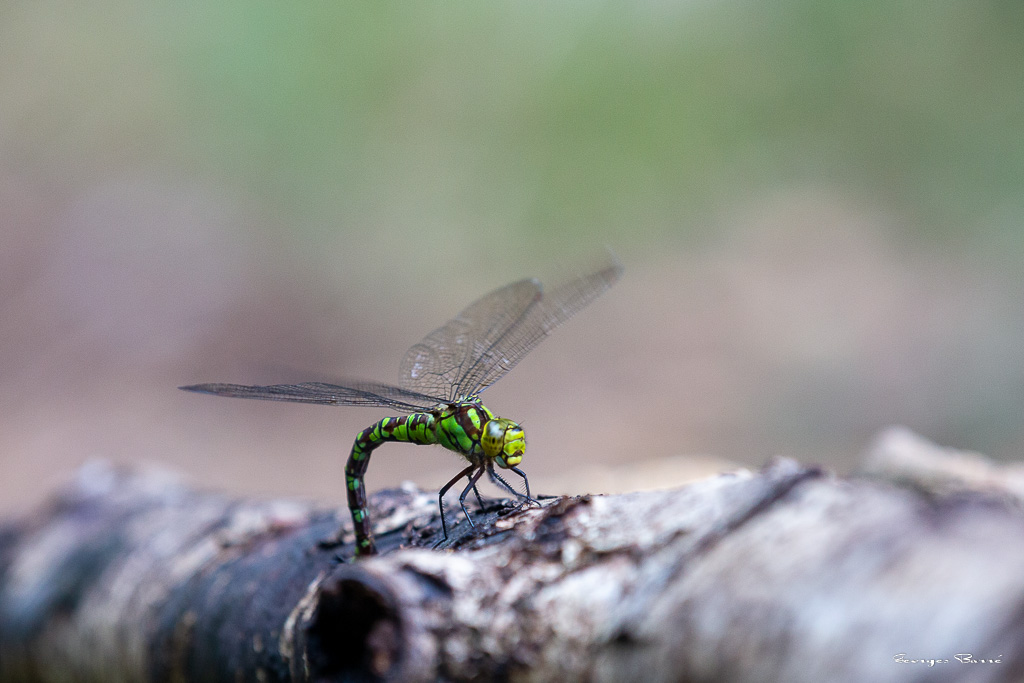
[{"x": 786, "y": 574}]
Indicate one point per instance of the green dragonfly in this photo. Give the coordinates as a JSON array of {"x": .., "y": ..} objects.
[{"x": 442, "y": 378}]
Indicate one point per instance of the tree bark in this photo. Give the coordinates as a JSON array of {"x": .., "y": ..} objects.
[{"x": 790, "y": 573}]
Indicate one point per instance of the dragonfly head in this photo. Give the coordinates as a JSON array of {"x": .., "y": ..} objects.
[{"x": 504, "y": 441}]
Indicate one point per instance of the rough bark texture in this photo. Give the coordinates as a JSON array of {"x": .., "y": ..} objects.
[{"x": 788, "y": 574}]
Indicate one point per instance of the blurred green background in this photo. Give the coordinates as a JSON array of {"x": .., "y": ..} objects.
[{"x": 818, "y": 205}]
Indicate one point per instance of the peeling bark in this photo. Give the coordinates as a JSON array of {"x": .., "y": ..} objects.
[{"x": 786, "y": 574}]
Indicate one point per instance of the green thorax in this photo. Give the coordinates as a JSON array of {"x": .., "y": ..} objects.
[
  {"x": 459, "y": 426},
  {"x": 468, "y": 427}
]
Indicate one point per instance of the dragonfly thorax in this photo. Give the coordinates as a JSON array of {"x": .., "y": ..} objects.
[
  {"x": 503, "y": 441},
  {"x": 468, "y": 427}
]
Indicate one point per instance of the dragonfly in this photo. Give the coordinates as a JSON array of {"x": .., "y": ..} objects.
[{"x": 441, "y": 379}]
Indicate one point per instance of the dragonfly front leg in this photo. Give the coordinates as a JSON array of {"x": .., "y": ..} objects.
[
  {"x": 498, "y": 479},
  {"x": 526, "y": 482}
]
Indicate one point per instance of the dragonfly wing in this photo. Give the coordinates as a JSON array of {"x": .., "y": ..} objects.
[
  {"x": 439, "y": 363},
  {"x": 500, "y": 354},
  {"x": 486, "y": 340},
  {"x": 357, "y": 393}
]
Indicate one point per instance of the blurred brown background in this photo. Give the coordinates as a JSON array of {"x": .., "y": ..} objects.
[{"x": 818, "y": 205}]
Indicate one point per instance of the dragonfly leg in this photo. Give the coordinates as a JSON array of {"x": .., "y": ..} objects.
[
  {"x": 480, "y": 499},
  {"x": 462, "y": 499},
  {"x": 444, "y": 490},
  {"x": 525, "y": 481},
  {"x": 498, "y": 479}
]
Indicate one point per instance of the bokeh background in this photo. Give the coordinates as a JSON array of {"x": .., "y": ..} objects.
[{"x": 818, "y": 205}]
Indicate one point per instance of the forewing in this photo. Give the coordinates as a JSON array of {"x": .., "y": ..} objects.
[
  {"x": 357, "y": 393},
  {"x": 501, "y": 352},
  {"x": 439, "y": 364}
]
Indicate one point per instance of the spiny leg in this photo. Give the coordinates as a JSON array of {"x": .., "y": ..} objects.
[
  {"x": 462, "y": 499},
  {"x": 498, "y": 479},
  {"x": 484, "y": 506},
  {"x": 525, "y": 481},
  {"x": 479, "y": 499},
  {"x": 440, "y": 500}
]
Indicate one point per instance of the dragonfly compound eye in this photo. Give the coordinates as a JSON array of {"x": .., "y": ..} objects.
[
  {"x": 493, "y": 438},
  {"x": 514, "y": 447},
  {"x": 504, "y": 441}
]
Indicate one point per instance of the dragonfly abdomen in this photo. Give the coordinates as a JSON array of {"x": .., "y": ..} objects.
[{"x": 416, "y": 428}]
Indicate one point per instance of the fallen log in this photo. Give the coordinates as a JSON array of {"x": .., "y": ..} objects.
[{"x": 789, "y": 574}]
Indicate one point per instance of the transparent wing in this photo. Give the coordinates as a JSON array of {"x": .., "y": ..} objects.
[
  {"x": 540, "y": 320},
  {"x": 357, "y": 393},
  {"x": 438, "y": 364},
  {"x": 486, "y": 340}
]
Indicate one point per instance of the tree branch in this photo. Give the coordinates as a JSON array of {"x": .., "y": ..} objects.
[{"x": 786, "y": 574}]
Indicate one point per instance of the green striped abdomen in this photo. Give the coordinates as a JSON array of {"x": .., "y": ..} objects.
[{"x": 415, "y": 428}]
